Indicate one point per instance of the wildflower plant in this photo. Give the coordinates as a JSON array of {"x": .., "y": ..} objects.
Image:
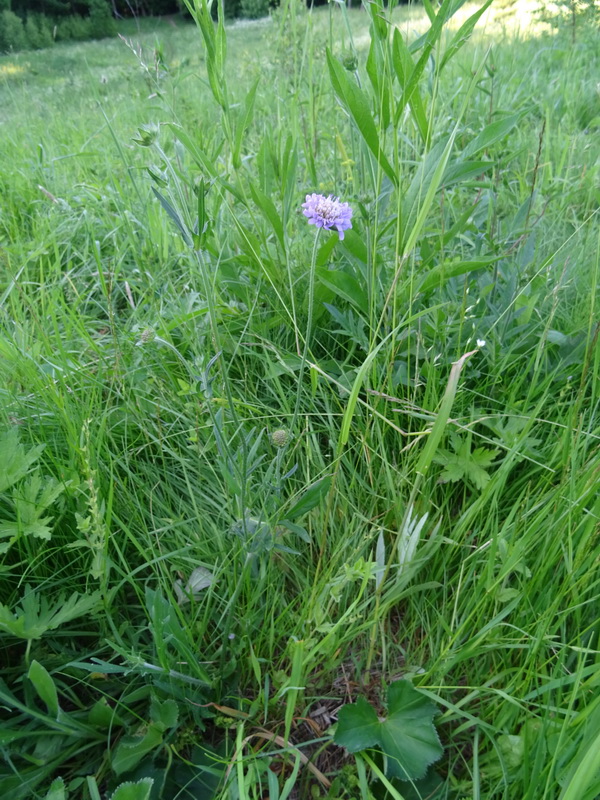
[{"x": 308, "y": 474}]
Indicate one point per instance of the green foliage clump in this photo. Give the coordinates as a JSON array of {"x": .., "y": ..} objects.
[
  {"x": 38, "y": 31},
  {"x": 573, "y": 14},
  {"x": 76, "y": 28},
  {"x": 254, "y": 9},
  {"x": 282, "y": 470},
  {"x": 12, "y": 33},
  {"x": 101, "y": 22}
]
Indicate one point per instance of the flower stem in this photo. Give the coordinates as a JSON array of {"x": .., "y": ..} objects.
[{"x": 311, "y": 300}]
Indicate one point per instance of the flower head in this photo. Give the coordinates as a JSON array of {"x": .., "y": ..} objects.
[
  {"x": 280, "y": 438},
  {"x": 147, "y": 335},
  {"x": 328, "y": 213}
]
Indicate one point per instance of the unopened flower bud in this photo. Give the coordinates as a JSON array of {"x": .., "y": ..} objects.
[
  {"x": 147, "y": 335},
  {"x": 280, "y": 438}
]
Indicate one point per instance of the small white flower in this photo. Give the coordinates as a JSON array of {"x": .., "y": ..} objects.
[{"x": 480, "y": 342}]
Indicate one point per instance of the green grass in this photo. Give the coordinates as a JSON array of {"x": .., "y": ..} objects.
[{"x": 151, "y": 376}]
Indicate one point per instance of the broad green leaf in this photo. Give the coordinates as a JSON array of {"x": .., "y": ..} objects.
[
  {"x": 345, "y": 286},
  {"x": 466, "y": 465},
  {"x": 358, "y": 726},
  {"x": 131, "y": 749},
  {"x": 491, "y": 134},
  {"x": 585, "y": 776},
  {"x": 44, "y": 686},
  {"x": 310, "y": 499},
  {"x": 355, "y": 245},
  {"x": 297, "y": 529},
  {"x": 134, "y": 791},
  {"x": 356, "y": 104},
  {"x": 326, "y": 249},
  {"x": 412, "y": 80},
  {"x": 102, "y": 715},
  {"x": 464, "y": 171},
  {"x": 407, "y": 737}
]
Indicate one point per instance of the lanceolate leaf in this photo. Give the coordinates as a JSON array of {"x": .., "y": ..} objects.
[
  {"x": 44, "y": 686},
  {"x": 491, "y": 134},
  {"x": 346, "y": 286},
  {"x": 462, "y": 34},
  {"x": 311, "y": 498},
  {"x": 356, "y": 104},
  {"x": 406, "y": 736},
  {"x": 441, "y": 273}
]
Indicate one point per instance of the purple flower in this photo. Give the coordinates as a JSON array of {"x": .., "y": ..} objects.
[{"x": 328, "y": 213}]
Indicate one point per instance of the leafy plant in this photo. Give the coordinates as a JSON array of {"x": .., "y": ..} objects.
[
  {"x": 465, "y": 464},
  {"x": 36, "y": 614},
  {"x": 405, "y": 736}
]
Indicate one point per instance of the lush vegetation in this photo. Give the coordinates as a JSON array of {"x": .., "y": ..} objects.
[{"x": 257, "y": 480}]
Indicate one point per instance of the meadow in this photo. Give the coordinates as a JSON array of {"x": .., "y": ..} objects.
[{"x": 290, "y": 511}]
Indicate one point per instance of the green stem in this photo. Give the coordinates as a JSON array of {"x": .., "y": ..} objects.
[{"x": 311, "y": 300}]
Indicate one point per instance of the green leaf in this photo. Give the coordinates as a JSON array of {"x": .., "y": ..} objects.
[
  {"x": 345, "y": 286},
  {"x": 44, "y": 686},
  {"x": 355, "y": 245},
  {"x": 14, "y": 461},
  {"x": 57, "y": 790},
  {"x": 244, "y": 121},
  {"x": 404, "y": 68},
  {"x": 466, "y": 465},
  {"x": 134, "y": 791},
  {"x": 35, "y": 616},
  {"x": 407, "y": 737},
  {"x": 441, "y": 420},
  {"x": 356, "y": 104},
  {"x": 267, "y": 206},
  {"x": 132, "y": 749},
  {"x": 464, "y": 170},
  {"x": 102, "y": 715},
  {"x": 491, "y": 134},
  {"x": 297, "y": 529},
  {"x": 311, "y": 498},
  {"x": 174, "y": 216},
  {"x": 358, "y": 727},
  {"x": 164, "y": 714},
  {"x": 462, "y": 34},
  {"x": 438, "y": 275}
]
